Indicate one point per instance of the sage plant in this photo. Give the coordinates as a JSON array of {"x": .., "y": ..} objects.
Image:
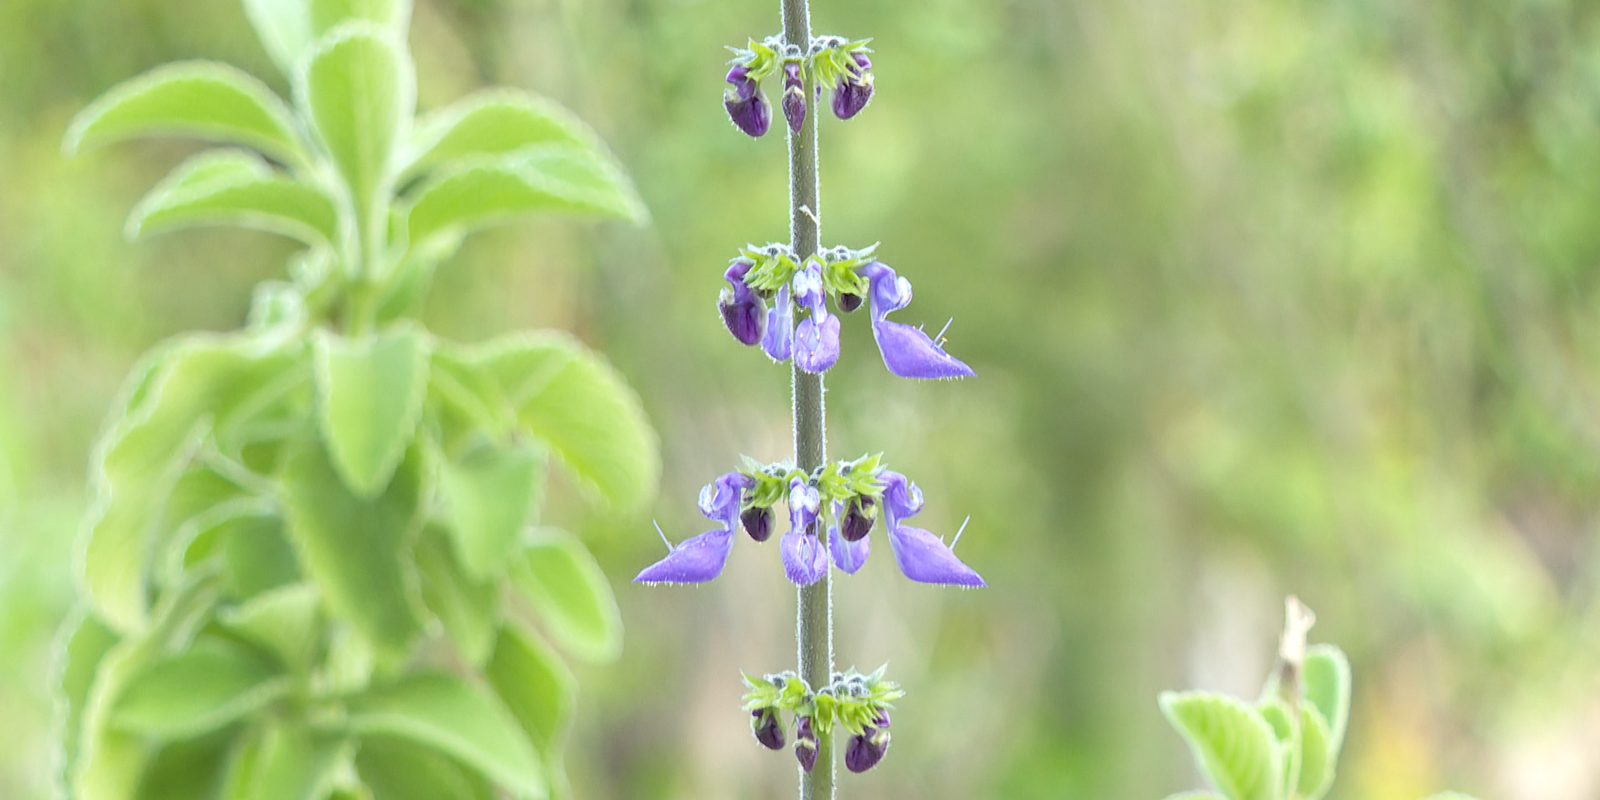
[
  {"x": 770, "y": 287},
  {"x": 312, "y": 564},
  {"x": 1284, "y": 746}
]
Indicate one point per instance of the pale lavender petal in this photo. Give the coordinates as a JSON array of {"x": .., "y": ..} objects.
[
  {"x": 804, "y": 504},
  {"x": 926, "y": 558},
  {"x": 805, "y": 560},
  {"x": 694, "y": 561},
  {"x": 723, "y": 498},
  {"x": 847, "y": 555},
  {"x": 902, "y": 499},
  {"x": 807, "y": 283},
  {"x": 779, "y": 338},
  {"x": 909, "y": 353},
  {"x": 816, "y": 342},
  {"x": 888, "y": 291}
]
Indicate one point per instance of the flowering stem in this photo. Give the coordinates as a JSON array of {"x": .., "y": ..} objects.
[{"x": 814, "y": 616}]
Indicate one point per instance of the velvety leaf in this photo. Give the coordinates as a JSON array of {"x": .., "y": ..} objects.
[
  {"x": 199, "y": 690},
  {"x": 371, "y": 391},
  {"x": 460, "y": 388},
  {"x": 1316, "y": 760},
  {"x": 206, "y": 534},
  {"x": 396, "y": 770},
  {"x": 565, "y": 586},
  {"x": 356, "y": 549},
  {"x": 201, "y": 383},
  {"x": 490, "y": 495},
  {"x": 205, "y": 99},
  {"x": 572, "y": 400},
  {"x": 536, "y": 686},
  {"x": 284, "y": 27},
  {"x": 498, "y": 189},
  {"x": 1232, "y": 744},
  {"x": 1326, "y": 678},
  {"x": 469, "y": 610},
  {"x": 495, "y": 122},
  {"x": 359, "y": 90},
  {"x": 188, "y": 770},
  {"x": 81, "y": 647},
  {"x": 257, "y": 554},
  {"x": 459, "y": 719},
  {"x": 284, "y": 761},
  {"x": 394, "y": 15},
  {"x": 285, "y": 622},
  {"x": 235, "y": 188}
]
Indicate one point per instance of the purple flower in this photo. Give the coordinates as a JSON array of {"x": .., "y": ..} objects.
[
  {"x": 794, "y": 96},
  {"x": 859, "y": 514},
  {"x": 920, "y": 555},
  {"x": 767, "y": 728},
  {"x": 805, "y": 559},
  {"x": 702, "y": 557},
  {"x": 747, "y": 107},
  {"x": 854, "y": 89},
  {"x": 742, "y": 309},
  {"x": 907, "y": 351},
  {"x": 805, "y": 744},
  {"x": 848, "y": 555},
  {"x": 816, "y": 340},
  {"x": 757, "y": 522},
  {"x": 863, "y": 752},
  {"x": 779, "y": 339}
]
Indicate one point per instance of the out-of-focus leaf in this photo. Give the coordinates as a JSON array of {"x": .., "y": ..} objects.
[
  {"x": 203, "y": 382},
  {"x": 355, "y": 549},
  {"x": 393, "y": 15},
  {"x": 490, "y": 495},
  {"x": 199, "y": 690},
  {"x": 396, "y": 770},
  {"x": 1232, "y": 744},
  {"x": 1316, "y": 764},
  {"x": 494, "y": 122},
  {"x": 371, "y": 392},
  {"x": 498, "y": 189},
  {"x": 83, "y": 644},
  {"x": 469, "y": 610},
  {"x": 206, "y": 99},
  {"x": 285, "y": 622},
  {"x": 359, "y": 90},
  {"x": 1326, "y": 678},
  {"x": 284, "y": 27},
  {"x": 572, "y": 400},
  {"x": 283, "y": 761},
  {"x": 187, "y": 770},
  {"x": 567, "y": 588},
  {"x": 536, "y": 686},
  {"x": 461, "y": 388},
  {"x": 459, "y": 719},
  {"x": 230, "y": 187},
  {"x": 257, "y": 553}
]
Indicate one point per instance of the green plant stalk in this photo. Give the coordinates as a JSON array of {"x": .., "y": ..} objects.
[{"x": 814, "y": 614}]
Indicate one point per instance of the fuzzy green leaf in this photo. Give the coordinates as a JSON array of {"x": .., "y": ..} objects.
[
  {"x": 1232, "y": 744},
  {"x": 1326, "y": 678},
  {"x": 396, "y": 770},
  {"x": 394, "y": 15},
  {"x": 568, "y": 590},
  {"x": 536, "y": 686},
  {"x": 257, "y": 554},
  {"x": 284, "y": 27},
  {"x": 469, "y": 610},
  {"x": 356, "y": 549},
  {"x": 457, "y": 718},
  {"x": 572, "y": 400},
  {"x": 498, "y": 189},
  {"x": 229, "y": 187},
  {"x": 82, "y": 646},
  {"x": 371, "y": 392},
  {"x": 495, "y": 122},
  {"x": 193, "y": 769},
  {"x": 197, "y": 691},
  {"x": 285, "y": 622},
  {"x": 490, "y": 494},
  {"x": 283, "y": 762},
  {"x": 204, "y": 99},
  {"x": 358, "y": 88},
  {"x": 1316, "y": 759}
]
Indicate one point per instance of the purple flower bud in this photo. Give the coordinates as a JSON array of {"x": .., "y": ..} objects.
[
  {"x": 859, "y": 514},
  {"x": 766, "y": 727},
  {"x": 747, "y": 107},
  {"x": 757, "y": 522},
  {"x": 805, "y": 744},
  {"x": 850, "y": 302},
  {"x": 864, "y": 752},
  {"x": 794, "y": 97},
  {"x": 742, "y": 309},
  {"x": 854, "y": 89},
  {"x": 862, "y": 62}
]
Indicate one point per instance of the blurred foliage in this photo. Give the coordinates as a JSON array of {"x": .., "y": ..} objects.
[{"x": 1263, "y": 296}]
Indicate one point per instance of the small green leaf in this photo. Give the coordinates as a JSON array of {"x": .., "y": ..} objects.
[
  {"x": 359, "y": 90},
  {"x": 494, "y": 190},
  {"x": 566, "y": 587},
  {"x": 395, "y": 770},
  {"x": 187, "y": 770},
  {"x": 572, "y": 400},
  {"x": 467, "y": 394},
  {"x": 468, "y": 610},
  {"x": 81, "y": 647},
  {"x": 1316, "y": 761},
  {"x": 284, "y": 27},
  {"x": 371, "y": 392},
  {"x": 197, "y": 691},
  {"x": 447, "y": 714},
  {"x": 1326, "y": 677},
  {"x": 495, "y": 122},
  {"x": 205, "y": 99},
  {"x": 538, "y": 689},
  {"x": 1232, "y": 744},
  {"x": 284, "y": 762},
  {"x": 395, "y": 15},
  {"x": 490, "y": 494},
  {"x": 257, "y": 554},
  {"x": 356, "y": 549},
  {"x": 228, "y": 187},
  {"x": 285, "y": 622}
]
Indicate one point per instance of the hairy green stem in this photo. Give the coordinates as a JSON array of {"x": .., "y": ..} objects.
[{"x": 814, "y": 615}]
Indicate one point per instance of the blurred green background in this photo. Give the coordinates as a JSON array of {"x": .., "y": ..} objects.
[{"x": 1266, "y": 296}]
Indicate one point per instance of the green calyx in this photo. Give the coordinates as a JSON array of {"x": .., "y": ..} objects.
[
  {"x": 827, "y": 59},
  {"x": 840, "y": 481},
  {"x": 775, "y": 265},
  {"x": 851, "y": 700}
]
